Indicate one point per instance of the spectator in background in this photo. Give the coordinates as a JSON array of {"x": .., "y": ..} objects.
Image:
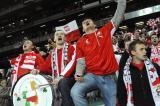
[
  {"x": 115, "y": 45},
  {"x": 155, "y": 49},
  {"x": 125, "y": 54},
  {"x": 138, "y": 81}
]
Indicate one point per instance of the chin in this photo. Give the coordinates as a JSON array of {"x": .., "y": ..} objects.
[
  {"x": 60, "y": 43},
  {"x": 145, "y": 58}
]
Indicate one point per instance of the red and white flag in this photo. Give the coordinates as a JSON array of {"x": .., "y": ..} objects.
[{"x": 71, "y": 30}]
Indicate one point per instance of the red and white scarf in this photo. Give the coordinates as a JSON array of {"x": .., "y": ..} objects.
[
  {"x": 155, "y": 54},
  {"x": 55, "y": 70},
  {"x": 154, "y": 82}
]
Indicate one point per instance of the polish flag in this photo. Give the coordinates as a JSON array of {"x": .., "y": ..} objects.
[{"x": 71, "y": 30}]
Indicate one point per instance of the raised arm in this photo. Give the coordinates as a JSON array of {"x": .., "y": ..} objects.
[{"x": 119, "y": 14}]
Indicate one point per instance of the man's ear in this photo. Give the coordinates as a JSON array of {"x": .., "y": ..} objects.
[
  {"x": 33, "y": 47},
  {"x": 54, "y": 39},
  {"x": 133, "y": 52},
  {"x": 95, "y": 25},
  {"x": 83, "y": 30}
]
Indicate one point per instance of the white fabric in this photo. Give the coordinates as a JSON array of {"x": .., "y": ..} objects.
[
  {"x": 28, "y": 66},
  {"x": 69, "y": 65},
  {"x": 71, "y": 26}
]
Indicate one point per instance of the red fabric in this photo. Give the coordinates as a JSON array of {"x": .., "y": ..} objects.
[
  {"x": 157, "y": 81},
  {"x": 98, "y": 52},
  {"x": 73, "y": 36},
  {"x": 148, "y": 41},
  {"x": 47, "y": 67},
  {"x": 38, "y": 61},
  {"x": 32, "y": 99},
  {"x": 139, "y": 66},
  {"x": 59, "y": 58}
]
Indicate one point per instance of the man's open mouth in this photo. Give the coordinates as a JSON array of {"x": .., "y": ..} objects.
[
  {"x": 59, "y": 39},
  {"x": 24, "y": 46},
  {"x": 155, "y": 41}
]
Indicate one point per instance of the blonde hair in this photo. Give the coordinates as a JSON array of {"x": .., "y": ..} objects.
[{"x": 59, "y": 31}]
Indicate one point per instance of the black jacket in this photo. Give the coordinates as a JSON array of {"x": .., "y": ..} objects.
[{"x": 142, "y": 95}]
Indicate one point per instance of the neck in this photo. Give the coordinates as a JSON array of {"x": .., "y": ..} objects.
[
  {"x": 90, "y": 31},
  {"x": 59, "y": 46},
  {"x": 136, "y": 61},
  {"x": 27, "y": 51}
]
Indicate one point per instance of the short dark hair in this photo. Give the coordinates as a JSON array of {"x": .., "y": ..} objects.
[{"x": 133, "y": 44}]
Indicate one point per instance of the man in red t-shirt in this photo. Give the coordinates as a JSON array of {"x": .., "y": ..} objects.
[{"x": 95, "y": 57}]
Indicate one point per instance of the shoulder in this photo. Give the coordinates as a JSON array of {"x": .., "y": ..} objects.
[{"x": 109, "y": 28}]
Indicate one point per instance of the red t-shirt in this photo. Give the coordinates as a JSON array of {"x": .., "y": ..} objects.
[{"x": 97, "y": 50}]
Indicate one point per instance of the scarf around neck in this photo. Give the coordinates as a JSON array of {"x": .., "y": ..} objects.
[{"x": 55, "y": 70}]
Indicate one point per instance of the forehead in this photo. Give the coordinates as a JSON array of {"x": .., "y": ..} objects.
[
  {"x": 27, "y": 42},
  {"x": 154, "y": 36},
  {"x": 59, "y": 33},
  {"x": 138, "y": 46},
  {"x": 127, "y": 42},
  {"x": 86, "y": 20}
]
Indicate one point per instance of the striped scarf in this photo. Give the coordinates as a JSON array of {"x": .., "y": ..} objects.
[{"x": 55, "y": 70}]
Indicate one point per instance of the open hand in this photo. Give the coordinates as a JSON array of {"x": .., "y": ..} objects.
[{"x": 35, "y": 71}]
